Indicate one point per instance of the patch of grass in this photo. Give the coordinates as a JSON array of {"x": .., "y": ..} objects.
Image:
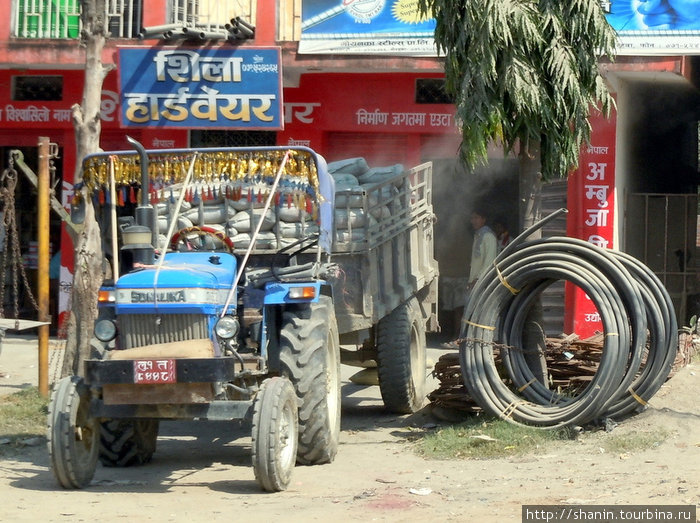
[
  {"x": 493, "y": 438},
  {"x": 634, "y": 442},
  {"x": 22, "y": 415}
]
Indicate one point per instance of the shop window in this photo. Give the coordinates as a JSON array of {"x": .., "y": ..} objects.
[
  {"x": 124, "y": 18},
  {"x": 37, "y": 88},
  {"x": 431, "y": 91},
  {"x": 207, "y": 15},
  {"x": 186, "y": 12},
  {"x": 61, "y": 18},
  {"x": 47, "y": 19},
  {"x": 213, "y": 138}
]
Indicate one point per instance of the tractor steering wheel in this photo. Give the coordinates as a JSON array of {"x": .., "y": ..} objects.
[{"x": 182, "y": 235}]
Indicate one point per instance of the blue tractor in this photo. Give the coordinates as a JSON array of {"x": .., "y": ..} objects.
[{"x": 202, "y": 320}]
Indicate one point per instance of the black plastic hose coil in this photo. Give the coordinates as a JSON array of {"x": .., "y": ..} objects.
[{"x": 639, "y": 326}]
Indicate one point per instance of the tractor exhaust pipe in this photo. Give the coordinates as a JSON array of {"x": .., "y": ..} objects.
[{"x": 145, "y": 213}]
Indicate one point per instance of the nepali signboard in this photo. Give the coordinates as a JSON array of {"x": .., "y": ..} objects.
[
  {"x": 591, "y": 197},
  {"x": 671, "y": 27},
  {"x": 199, "y": 88},
  {"x": 390, "y": 27}
]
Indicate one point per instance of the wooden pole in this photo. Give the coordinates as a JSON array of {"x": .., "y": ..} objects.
[
  {"x": 113, "y": 220},
  {"x": 43, "y": 188}
]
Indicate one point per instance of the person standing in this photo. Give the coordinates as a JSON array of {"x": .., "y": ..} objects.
[
  {"x": 484, "y": 251},
  {"x": 502, "y": 234}
]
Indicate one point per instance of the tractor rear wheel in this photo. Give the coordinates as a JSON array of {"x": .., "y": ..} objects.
[
  {"x": 127, "y": 442},
  {"x": 310, "y": 358}
]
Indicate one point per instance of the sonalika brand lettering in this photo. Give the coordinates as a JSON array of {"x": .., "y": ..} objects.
[{"x": 163, "y": 297}]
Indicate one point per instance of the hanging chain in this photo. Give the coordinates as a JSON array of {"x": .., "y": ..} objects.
[
  {"x": 53, "y": 155},
  {"x": 11, "y": 248}
]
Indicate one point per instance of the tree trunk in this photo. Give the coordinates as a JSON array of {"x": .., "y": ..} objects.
[
  {"x": 530, "y": 214},
  {"x": 530, "y": 210},
  {"x": 88, "y": 274},
  {"x": 87, "y": 280}
]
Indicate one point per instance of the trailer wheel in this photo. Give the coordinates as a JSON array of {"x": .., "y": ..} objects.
[
  {"x": 274, "y": 434},
  {"x": 72, "y": 434},
  {"x": 310, "y": 358},
  {"x": 401, "y": 358},
  {"x": 127, "y": 442}
]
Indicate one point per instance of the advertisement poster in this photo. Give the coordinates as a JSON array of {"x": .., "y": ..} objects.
[
  {"x": 655, "y": 27},
  {"x": 201, "y": 88},
  {"x": 393, "y": 27}
]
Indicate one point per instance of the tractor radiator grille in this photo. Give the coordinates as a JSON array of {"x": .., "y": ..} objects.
[{"x": 137, "y": 330}]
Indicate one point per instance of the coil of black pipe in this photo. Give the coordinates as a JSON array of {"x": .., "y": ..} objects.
[{"x": 639, "y": 326}]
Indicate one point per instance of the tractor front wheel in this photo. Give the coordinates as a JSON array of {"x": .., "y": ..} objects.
[
  {"x": 73, "y": 436},
  {"x": 274, "y": 434}
]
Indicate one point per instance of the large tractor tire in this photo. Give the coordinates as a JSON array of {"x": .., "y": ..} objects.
[
  {"x": 73, "y": 436},
  {"x": 310, "y": 358},
  {"x": 401, "y": 356},
  {"x": 127, "y": 442},
  {"x": 274, "y": 434}
]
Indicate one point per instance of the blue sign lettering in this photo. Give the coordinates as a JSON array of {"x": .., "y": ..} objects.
[{"x": 201, "y": 88}]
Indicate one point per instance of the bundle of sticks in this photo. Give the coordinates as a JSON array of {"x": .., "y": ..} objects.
[{"x": 571, "y": 364}]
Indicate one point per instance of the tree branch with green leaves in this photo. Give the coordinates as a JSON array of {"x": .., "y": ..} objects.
[{"x": 522, "y": 73}]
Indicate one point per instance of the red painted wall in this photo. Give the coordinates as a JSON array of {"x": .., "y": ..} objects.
[
  {"x": 370, "y": 108},
  {"x": 22, "y": 123},
  {"x": 154, "y": 13}
]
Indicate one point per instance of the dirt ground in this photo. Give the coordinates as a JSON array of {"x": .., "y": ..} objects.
[{"x": 201, "y": 471}]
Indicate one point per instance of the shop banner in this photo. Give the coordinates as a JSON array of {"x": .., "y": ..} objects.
[
  {"x": 655, "y": 27},
  {"x": 392, "y": 27},
  {"x": 591, "y": 197},
  {"x": 395, "y": 27},
  {"x": 199, "y": 88}
]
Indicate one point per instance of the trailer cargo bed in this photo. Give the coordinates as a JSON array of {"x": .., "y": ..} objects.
[{"x": 385, "y": 255}]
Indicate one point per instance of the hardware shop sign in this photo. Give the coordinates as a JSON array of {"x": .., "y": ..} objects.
[{"x": 201, "y": 88}]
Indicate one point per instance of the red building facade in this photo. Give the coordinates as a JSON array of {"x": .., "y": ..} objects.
[{"x": 341, "y": 106}]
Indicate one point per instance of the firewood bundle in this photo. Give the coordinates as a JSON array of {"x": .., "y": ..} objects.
[{"x": 571, "y": 363}]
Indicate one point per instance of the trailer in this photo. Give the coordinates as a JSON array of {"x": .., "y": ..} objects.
[{"x": 385, "y": 291}]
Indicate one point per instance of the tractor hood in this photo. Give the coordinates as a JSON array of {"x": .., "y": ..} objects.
[{"x": 196, "y": 282}]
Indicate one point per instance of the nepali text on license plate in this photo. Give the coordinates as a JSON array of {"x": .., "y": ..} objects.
[{"x": 154, "y": 371}]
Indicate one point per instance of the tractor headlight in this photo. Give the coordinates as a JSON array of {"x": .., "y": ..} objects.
[
  {"x": 105, "y": 330},
  {"x": 226, "y": 327}
]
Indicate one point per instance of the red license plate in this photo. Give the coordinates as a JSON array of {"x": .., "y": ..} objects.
[{"x": 154, "y": 371}]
